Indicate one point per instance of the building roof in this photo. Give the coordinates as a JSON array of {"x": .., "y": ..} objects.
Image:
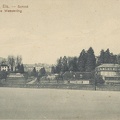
[
  {"x": 3, "y": 65},
  {"x": 109, "y": 65}
]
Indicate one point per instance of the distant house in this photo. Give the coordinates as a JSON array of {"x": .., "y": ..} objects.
[
  {"x": 78, "y": 77},
  {"x": 28, "y": 67},
  {"x": 78, "y": 81},
  {"x": 4, "y": 67},
  {"x": 37, "y": 67},
  {"x": 109, "y": 72}
]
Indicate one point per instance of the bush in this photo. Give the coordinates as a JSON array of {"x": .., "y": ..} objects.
[
  {"x": 99, "y": 79},
  {"x": 3, "y": 75}
]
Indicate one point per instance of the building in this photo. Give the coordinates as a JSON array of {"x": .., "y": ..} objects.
[
  {"x": 38, "y": 67},
  {"x": 28, "y": 67},
  {"x": 109, "y": 72},
  {"x": 78, "y": 77},
  {"x": 4, "y": 67}
]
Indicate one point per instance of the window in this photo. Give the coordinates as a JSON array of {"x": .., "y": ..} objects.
[
  {"x": 113, "y": 68},
  {"x": 81, "y": 75}
]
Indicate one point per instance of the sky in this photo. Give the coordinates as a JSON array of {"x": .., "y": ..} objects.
[{"x": 48, "y": 29}]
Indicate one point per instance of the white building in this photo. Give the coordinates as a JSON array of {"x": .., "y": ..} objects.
[
  {"x": 109, "y": 72},
  {"x": 4, "y": 67}
]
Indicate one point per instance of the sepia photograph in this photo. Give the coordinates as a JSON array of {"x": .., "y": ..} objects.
[{"x": 59, "y": 59}]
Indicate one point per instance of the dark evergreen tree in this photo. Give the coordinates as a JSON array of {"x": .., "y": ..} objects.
[
  {"x": 64, "y": 64},
  {"x": 113, "y": 58},
  {"x": 34, "y": 72},
  {"x": 118, "y": 59},
  {"x": 73, "y": 64},
  {"x": 42, "y": 71},
  {"x": 101, "y": 58},
  {"x": 69, "y": 60},
  {"x": 107, "y": 56},
  {"x": 91, "y": 60},
  {"x": 82, "y": 61},
  {"x": 59, "y": 65},
  {"x": 3, "y": 75},
  {"x": 70, "y": 65},
  {"x": 21, "y": 69},
  {"x": 18, "y": 68},
  {"x": 53, "y": 70}
]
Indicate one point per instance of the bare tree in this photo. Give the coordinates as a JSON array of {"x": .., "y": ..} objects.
[
  {"x": 3, "y": 61},
  {"x": 18, "y": 59},
  {"x": 11, "y": 61}
]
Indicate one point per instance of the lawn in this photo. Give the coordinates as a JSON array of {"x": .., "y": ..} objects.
[
  {"x": 13, "y": 81},
  {"x": 54, "y": 104}
]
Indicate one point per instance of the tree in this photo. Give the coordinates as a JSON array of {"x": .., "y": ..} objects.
[
  {"x": 118, "y": 59},
  {"x": 11, "y": 61},
  {"x": 64, "y": 64},
  {"x": 107, "y": 56},
  {"x": 82, "y": 61},
  {"x": 101, "y": 58},
  {"x": 99, "y": 79},
  {"x": 3, "y": 61},
  {"x": 26, "y": 75},
  {"x": 18, "y": 68},
  {"x": 3, "y": 75},
  {"x": 73, "y": 64},
  {"x": 91, "y": 61},
  {"x": 59, "y": 65},
  {"x": 53, "y": 70},
  {"x": 113, "y": 58},
  {"x": 42, "y": 71},
  {"x": 18, "y": 59},
  {"x": 34, "y": 72},
  {"x": 21, "y": 69}
]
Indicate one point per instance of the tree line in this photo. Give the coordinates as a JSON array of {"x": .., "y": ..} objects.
[{"x": 85, "y": 62}]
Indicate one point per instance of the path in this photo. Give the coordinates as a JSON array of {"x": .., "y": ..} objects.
[{"x": 31, "y": 82}]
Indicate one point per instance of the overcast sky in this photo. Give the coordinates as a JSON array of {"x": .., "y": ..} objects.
[{"x": 49, "y": 29}]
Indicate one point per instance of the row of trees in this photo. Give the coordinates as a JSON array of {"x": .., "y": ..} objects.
[
  {"x": 41, "y": 72},
  {"x": 34, "y": 73},
  {"x": 107, "y": 57},
  {"x": 14, "y": 61},
  {"x": 85, "y": 62},
  {"x": 19, "y": 68}
]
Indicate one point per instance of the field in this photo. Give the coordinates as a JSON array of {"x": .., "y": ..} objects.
[{"x": 55, "y": 104}]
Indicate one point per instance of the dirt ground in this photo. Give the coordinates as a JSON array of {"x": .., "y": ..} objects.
[{"x": 54, "y": 104}]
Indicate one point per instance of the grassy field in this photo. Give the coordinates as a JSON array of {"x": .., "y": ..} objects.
[{"x": 53, "y": 104}]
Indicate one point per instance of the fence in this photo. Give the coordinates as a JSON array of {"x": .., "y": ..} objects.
[
  {"x": 66, "y": 86},
  {"x": 52, "y": 86},
  {"x": 108, "y": 87}
]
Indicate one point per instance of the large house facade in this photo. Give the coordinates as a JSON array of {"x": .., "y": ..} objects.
[{"x": 109, "y": 72}]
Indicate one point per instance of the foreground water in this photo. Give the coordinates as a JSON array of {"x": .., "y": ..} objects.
[{"x": 19, "y": 103}]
